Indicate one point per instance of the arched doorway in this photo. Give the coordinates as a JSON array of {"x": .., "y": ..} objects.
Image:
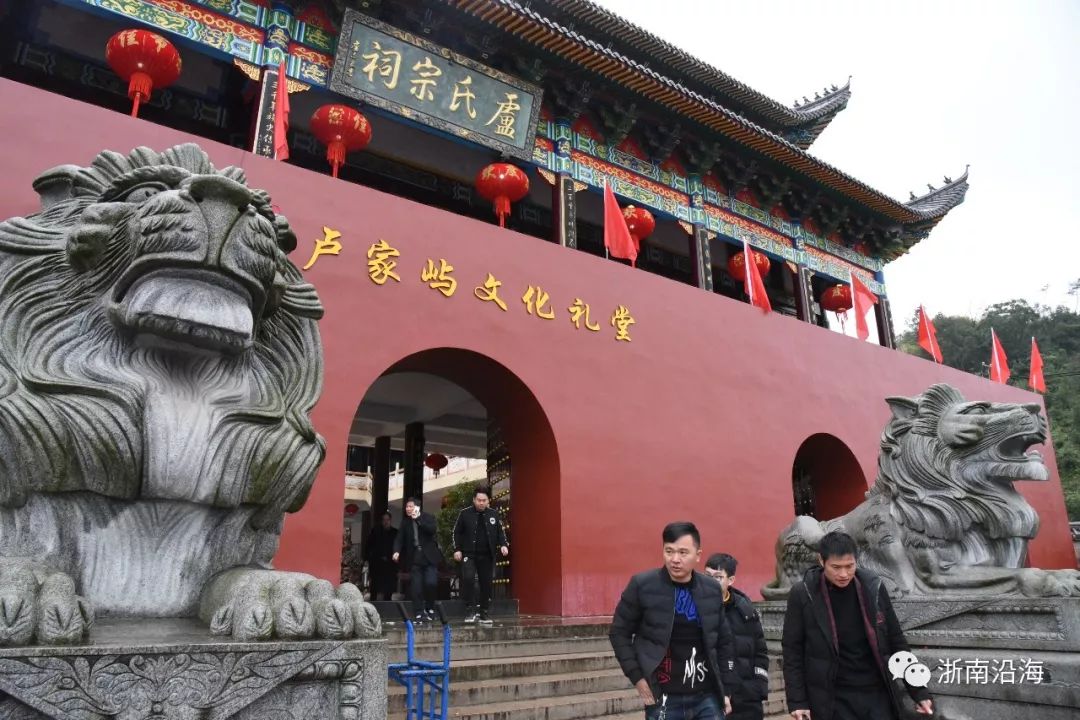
[
  {"x": 827, "y": 480},
  {"x": 480, "y": 415}
]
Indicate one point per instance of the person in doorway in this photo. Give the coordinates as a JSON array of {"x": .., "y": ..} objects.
[
  {"x": 379, "y": 554},
  {"x": 751, "y": 653},
  {"x": 478, "y": 539},
  {"x": 670, "y": 635},
  {"x": 839, "y": 632},
  {"x": 417, "y": 546}
]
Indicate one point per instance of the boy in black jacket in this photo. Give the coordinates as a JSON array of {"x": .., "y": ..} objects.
[
  {"x": 839, "y": 632},
  {"x": 670, "y": 636},
  {"x": 751, "y": 653}
]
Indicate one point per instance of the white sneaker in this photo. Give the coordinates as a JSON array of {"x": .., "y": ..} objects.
[{"x": 471, "y": 618}]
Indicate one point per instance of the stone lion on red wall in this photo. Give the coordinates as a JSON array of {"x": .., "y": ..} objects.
[
  {"x": 943, "y": 516},
  {"x": 159, "y": 359}
]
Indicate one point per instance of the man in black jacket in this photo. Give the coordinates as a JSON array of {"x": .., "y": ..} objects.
[
  {"x": 416, "y": 541},
  {"x": 751, "y": 653},
  {"x": 670, "y": 636},
  {"x": 478, "y": 539},
  {"x": 379, "y": 550},
  {"x": 839, "y": 632}
]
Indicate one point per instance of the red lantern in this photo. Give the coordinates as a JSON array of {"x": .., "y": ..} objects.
[
  {"x": 837, "y": 299},
  {"x": 502, "y": 184},
  {"x": 342, "y": 130},
  {"x": 736, "y": 265},
  {"x": 639, "y": 222},
  {"x": 145, "y": 59},
  {"x": 351, "y": 509},
  {"x": 436, "y": 461}
]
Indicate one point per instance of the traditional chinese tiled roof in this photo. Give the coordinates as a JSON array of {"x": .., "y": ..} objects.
[
  {"x": 801, "y": 124},
  {"x": 541, "y": 31}
]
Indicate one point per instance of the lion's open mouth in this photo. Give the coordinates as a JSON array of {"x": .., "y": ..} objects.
[
  {"x": 203, "y": 310},
  {"x": 1016, "y": 448}
]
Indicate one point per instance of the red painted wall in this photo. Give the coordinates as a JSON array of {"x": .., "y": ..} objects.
[{"x": 699, "y": 417}]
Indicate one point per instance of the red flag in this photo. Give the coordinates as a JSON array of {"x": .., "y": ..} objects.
[
  {"x": 928, "y": 335},
  {"x": 1035, "y": 379},
  {"x": 999, "y": 364},
  {"x": 752, "y": 283},
  {"x": 281, "y": 115},
  {"x": 617, "y": 237},
  {"x": 862, "y": 299}
]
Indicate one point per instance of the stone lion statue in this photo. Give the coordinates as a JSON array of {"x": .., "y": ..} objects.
[
  {"x": 943, "y": 516},
  {"x": 159, "y": 358}
]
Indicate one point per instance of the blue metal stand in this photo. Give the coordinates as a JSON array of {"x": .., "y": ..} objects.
[{"x": 422, "y": 678}]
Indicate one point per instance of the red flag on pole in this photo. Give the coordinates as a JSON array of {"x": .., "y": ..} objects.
[
  {"x": 752, "y": 283},
  {"x": 999, "y": 364},
  {"x": 281, "y": 115},
  {"x": 928, "y": 335},
  {"x": 862, "y": 299},
  {"x": 1035, "y": 379},
  {"x": 617, "y": 237}
]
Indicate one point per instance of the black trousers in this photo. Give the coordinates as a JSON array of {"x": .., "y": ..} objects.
[
  {"x": 746, "y": 710},
  {"x": 474, "y": 567},
  {"x": 383, "y": 579},
  {"x": 423, "y": 583},
  {"x": 870, "y": 703}
]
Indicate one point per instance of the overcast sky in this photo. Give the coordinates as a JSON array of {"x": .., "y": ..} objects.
[{"x": 936, "y": 85}]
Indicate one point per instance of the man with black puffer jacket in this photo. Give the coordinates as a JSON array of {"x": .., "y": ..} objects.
[
  {"x": 839, "y": 632},
  {"x": 670, "y": 636},
  {"x": 751, "y": 653}
]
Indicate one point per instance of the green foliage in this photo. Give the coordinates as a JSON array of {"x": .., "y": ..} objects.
[
  {"x": 456, "y": 499},
  {"x": 965, "y": 345}
]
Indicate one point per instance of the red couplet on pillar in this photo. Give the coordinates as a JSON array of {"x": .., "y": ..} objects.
[
  {"x": 502, "y": 184},
  {"x": 146, "y": 60},
  {"x": 342, "y": 130}
]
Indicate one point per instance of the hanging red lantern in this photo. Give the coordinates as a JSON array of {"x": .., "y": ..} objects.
[
  {"x": 639, "y": 222},
  {"x": 436, "y": 461},
  {"x": 837, "y": 298},
  {"x": 351, "y": 509},
  {"x": 736, "y": 265},
  {"x": 146, "y": 60},
  {"x": 502, "y": 184},
  {"x": 342, "y": 130}
]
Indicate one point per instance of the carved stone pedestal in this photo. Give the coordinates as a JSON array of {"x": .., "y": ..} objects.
[
  {"x": 175, "y": 670},
  {"x": 991, "y": 658}
]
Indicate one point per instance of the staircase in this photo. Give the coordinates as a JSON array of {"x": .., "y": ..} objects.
[{"x": 533, "y": 669}]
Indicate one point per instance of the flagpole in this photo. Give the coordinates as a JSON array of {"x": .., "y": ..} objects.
[{"x": 607, "y": 255}]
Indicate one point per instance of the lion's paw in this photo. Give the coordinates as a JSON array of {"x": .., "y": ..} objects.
[
  {"x": 254, "y": 604},
  {"x": 46, "y": 610},
  {"x": 1036, "y": 582}
]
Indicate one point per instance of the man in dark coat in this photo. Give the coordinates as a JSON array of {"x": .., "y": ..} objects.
[
  {"x": 670, "y": 636},
  {"x": 416, "y": 542},
  {"x": 751, "y": 653},
  {"x": 839, "y": 632},
  {"x": 479, "y": 539},
  {"x": 379, "y": 553}
]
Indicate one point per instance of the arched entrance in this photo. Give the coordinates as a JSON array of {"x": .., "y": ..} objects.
[
  {"x": 826, "y": 479},
  {"x": 475, "y": 411}
]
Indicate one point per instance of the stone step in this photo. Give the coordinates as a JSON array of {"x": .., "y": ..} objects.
[
  {"x": 571, "y": 707},
  {"x": 502, "y": 649},
  {"x": 500, "y": 631},
  {"x": 530, "y": 666},
  {"x": 500, "y": 690}
]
